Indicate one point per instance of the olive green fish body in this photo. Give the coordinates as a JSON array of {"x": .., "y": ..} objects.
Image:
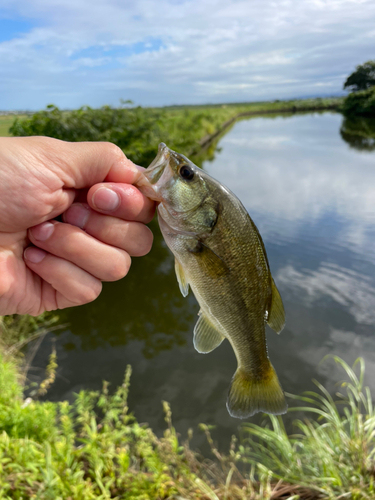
[
  {"x": 220, "y": 254},
  {"x": 229, "y": 275}
]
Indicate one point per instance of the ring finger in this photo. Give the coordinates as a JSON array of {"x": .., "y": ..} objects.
[{"x": 74, "y": 245}]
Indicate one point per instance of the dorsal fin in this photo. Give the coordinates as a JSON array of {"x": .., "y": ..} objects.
[
  {"x": 276, "y": 314},
  {"x": 206, "y": 336},
  {"x": 181, "y": 278}
]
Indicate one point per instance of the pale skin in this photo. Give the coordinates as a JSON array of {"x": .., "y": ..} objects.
[{"x": 47, "y": 264}]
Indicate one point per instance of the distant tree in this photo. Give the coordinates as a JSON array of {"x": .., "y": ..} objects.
[
  {"x": 362, "y": 78},
  {"x": 360, "y": 103}
]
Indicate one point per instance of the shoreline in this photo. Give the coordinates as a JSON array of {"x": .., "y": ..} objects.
[{"x": 208, "y": 139}]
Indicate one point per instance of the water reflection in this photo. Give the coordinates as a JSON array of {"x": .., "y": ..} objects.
[
  {"x": 312, "y": 198},
  {"x": 359, "y": 133},
  {"x": 345, "y": 287}
]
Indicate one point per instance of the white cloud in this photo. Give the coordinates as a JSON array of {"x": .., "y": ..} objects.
[
  {"x": 261, "y": 59},
  {"x": 236, "y": 50}
]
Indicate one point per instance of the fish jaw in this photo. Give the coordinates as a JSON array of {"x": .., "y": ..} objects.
[{"x": 155, "y": 176}]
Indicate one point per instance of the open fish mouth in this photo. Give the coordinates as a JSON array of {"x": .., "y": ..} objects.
[
  {"x": 157, "y": 167},
  {"x": 148, "y": 184}
]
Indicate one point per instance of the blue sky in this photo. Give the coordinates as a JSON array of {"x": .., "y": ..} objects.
[{"x": 74, "y": 52}]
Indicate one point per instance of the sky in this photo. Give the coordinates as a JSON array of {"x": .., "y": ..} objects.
[{"x": 161, "y": 52}]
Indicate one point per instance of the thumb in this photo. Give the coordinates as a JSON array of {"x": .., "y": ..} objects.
[{"x": 83, "y": 164}]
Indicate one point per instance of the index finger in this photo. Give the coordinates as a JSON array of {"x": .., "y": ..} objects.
[{"x": 121, "y": 200}]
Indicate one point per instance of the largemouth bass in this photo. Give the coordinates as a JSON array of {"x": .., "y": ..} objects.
[{"x": 219, "y": 252}]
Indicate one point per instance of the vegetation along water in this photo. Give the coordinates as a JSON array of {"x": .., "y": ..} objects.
[{"x": 317, "y": 225}]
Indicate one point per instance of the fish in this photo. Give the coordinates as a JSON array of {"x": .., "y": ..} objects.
[{"x": 220, "y": 254}]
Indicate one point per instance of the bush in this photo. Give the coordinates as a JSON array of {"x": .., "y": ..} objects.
[{"x": 360, "y": 103}]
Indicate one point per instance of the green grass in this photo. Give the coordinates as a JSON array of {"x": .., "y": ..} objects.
[
  {"x": 333, "y": 454},
  {"x": 6, "y": 122},
  {"x": 94, "y": 448}
]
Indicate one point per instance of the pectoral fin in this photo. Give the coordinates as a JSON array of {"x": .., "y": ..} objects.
[
  {"x": 276, "y": 314},
  {"x": 206, "y": 336},
  {"x": 210, "y": 261},
  {"x": 182, "y": 281}
]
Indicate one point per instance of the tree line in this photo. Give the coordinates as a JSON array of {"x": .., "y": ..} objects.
[{"x": 361, "y": 84}]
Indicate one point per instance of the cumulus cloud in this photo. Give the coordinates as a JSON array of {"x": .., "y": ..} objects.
[{"x": 166, "y": 52}]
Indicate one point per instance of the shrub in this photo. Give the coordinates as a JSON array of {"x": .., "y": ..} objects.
[{"x": 360, "y": 103}]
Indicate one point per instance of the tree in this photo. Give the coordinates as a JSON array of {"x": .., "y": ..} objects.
[
  {"x": 362, "y": 78},
  {"x": 360, "y": 103}
]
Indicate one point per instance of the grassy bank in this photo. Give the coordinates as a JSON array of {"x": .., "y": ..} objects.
[
  {"x": 138, "y": 130},
  {"x": 95, "y": 449}
]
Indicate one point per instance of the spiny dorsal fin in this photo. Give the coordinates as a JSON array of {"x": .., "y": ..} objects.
[
  {"x": 206, "y": 337},
  {"x": 183, "y": 283},
  {"x": 276, "y": 314}
]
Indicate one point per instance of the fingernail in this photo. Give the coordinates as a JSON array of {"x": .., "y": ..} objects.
[
  {"x": 34, "y": 255},
  {"x": 43, "y": 231},
  {"x": 106, "y": 199},
  {"x": 77, "y": 215}
]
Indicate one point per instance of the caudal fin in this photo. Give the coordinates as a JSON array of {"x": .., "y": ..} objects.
[{"x": 249, "y": 395}]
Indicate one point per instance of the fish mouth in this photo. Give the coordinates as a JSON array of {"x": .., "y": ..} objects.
[
  {"x": 156, "y": 168},
  {"x": 147, "y": 183}
]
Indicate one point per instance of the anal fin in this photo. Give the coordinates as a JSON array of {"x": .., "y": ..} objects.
[
  {"x": 206, "y": 336},
  {"x": 276, "y": 314},
  {"x": 181, "y": 278}
]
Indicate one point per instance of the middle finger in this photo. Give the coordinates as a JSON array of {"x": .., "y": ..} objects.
[{"x": 133, "y": 237}]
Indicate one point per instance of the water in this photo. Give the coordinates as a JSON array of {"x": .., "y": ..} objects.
[{"x": 312, "y": 196}]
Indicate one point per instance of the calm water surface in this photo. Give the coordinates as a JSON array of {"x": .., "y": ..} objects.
[{"x": 312, "y": 196}]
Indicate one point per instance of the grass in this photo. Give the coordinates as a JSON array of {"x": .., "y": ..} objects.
[
  {"x": 94, "y": 448},
  {"x": 333, "y": 454},
  {"x": 6, "y": 122}
]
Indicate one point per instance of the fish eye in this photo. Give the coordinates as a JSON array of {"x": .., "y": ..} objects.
[{"x": 186, "y": 173}]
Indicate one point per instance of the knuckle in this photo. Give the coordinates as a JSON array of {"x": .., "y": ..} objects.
[{"x": 112, "y": 149}]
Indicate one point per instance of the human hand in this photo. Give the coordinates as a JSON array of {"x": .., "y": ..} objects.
[{"x": 104, "y": 222}]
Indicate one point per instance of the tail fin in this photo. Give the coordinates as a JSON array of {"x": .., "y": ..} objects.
[{"x": 249, "y": 395}]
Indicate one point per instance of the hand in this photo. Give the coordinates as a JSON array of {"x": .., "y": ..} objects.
[{"x": 103, "y": 222}]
